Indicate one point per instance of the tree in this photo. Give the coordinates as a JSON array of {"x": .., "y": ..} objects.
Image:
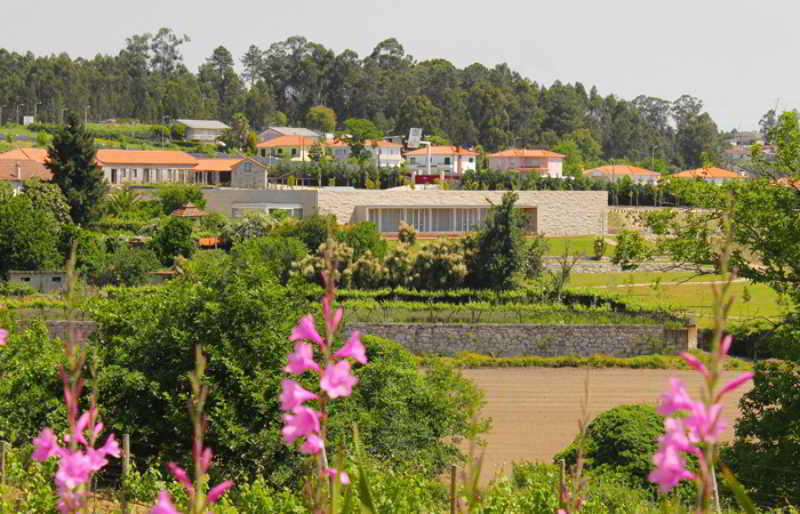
[
  {"x": 72, "y": 161},
  {"x": 252, "y": 62},
  {"x": 321, "y": 118},
  {"x": 173, "y": 196},
  {"x": 359, "y": 131},
  {"x": 28, "y": 236},
  {"x": 499, "y": 247},
  {"x": 172, "y": 240},
  {"x": 46, "y": 196},
  {"x": 166, "y": 58}
]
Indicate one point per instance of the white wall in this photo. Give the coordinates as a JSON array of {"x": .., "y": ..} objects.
[
  {"x": 419, "y": 163},
  {"x": 135, "y": 174}
]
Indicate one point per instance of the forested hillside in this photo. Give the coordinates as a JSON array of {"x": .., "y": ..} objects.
[{"x": 494, "y": 107}]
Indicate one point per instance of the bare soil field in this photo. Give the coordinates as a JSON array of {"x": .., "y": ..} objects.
[{"x": 535, "y": 411}]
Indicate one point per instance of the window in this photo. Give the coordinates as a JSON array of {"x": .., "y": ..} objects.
[
  {"x": 390, "y": 219},
  {"x": 56, "y": 279},
  {"x": 417, "y": 218},
  {"x": 25, "y": 279},
  {"x": 294, "y": 152},
  {"x": 472, "y": 159},
  {"x": 447, "y": 160},
  {"x": 440, "y": 220}
]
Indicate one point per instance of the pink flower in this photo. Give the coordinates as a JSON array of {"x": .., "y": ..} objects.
[
  {"x": 670, "y": 468},
  {"x": 675, "y": 436},
  {"x": 215, "y": 493},
  {"x": 80, "y": 428},
  {"x": 205, "y": 460},
  {"x": 305, "y": 329},
  {"x": 302, "y": 422},
  {"x": 164, "y": 505},
  {"x": 313, "y": 445},
  {"x": 3, "y": 337},
  {"x": 181, "y": 476},
  {"x": 353, "y": 349},
  {"x": 736, "y": 382},
  {"x": 337, "y": 380},
  {"x": 98, "y": 456},
  {"x": 705, "y": 425},
  {"x": 73, "y": 470},
  {"x": 695, "y": 363},
  {"x": 294, "y": 395},
  {"x": 676, "y": 399},
  {"x": 332, "y": 320},
  {"x": 46, "y": 445},
  {"x": 343, "y": 477},
  {"x": 111, "y": 447},
  {"x": 725, "y": 345},
  {"x": 301, "y": 360}
]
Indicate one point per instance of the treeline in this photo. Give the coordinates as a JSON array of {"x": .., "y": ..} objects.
[{"x": 493, "y": 107}]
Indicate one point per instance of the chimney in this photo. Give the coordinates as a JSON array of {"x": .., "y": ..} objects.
[{"x": 19, "y": 170}]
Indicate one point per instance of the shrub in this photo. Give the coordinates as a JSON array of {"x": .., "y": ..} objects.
[
  {"x": 440, "y": 265},
  {"x": 406, "y": 233},
  {"x": 363, "y": 237},
  {"x": 534, "y": 256},
  {"x": 126, "y": 267},
  {"x": 630, "y": 251},
  {"x": 173, "y": 239},
  {"x": 398, "y": 263},
  {"x": 312, "y": 231},
  {"x": 367, "y": 272},
  {"x": 15, "y": 289},
  {"x": 276, "y": 253},
  {"x": 251, "y": 225},
  {"x": 599, "y": 246},
  {"x": 622, "y": 439},
  {"x": 173, "y": 196}
]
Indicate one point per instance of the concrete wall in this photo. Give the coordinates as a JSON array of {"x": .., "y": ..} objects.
[
  {"x": 42, "y": 281},
  {"x": 222, "y": 200},
  {"x": 531, "y": 340}
]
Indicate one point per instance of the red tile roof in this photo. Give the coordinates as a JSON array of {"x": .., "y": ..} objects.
[
  {"x": 216, "y": 164},
  {"x": 154, "y": 157},
  {"x": 23, "y": 170},
  {"x": 288, "y": 141},
  {"x": 525, "y": 152},
  {"x": 443, "y": 150},
  {"x": 188, "y": 210},
  {"x": 27, "y": 154},
  {"x": 707, "y": 173},
  {"x": 368, "y": 142},
  {"x": 623, "y": 169}
]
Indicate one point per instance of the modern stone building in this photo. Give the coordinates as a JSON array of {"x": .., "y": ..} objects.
[{"x": 429, "y": 211}]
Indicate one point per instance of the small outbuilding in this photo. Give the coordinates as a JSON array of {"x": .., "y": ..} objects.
[
  {"x": 42, "y": 281},
  {"x": 190, "y": 211},
  {"x": 207, "y": 131}
]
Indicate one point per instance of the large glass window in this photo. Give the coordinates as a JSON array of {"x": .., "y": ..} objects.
[
  {"x": 418, "y": 218},
  {"x": 440, "y": 220},
  {"x": 390, "y": 219}
]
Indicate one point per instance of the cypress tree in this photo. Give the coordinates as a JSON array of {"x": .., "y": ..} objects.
[{"x": 71, "y": 158}]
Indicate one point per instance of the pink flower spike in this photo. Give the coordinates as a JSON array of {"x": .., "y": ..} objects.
[
  {"x": 676, "y": 399},
  {"x": 736, "y": 382},
  {"x": 695, "y": 363},
  {"x": 80, "y": 428},
  {"x": 670, "y": 469},
  {"x": 46, "y": 445},
  {"x": 3, "y": 337},
  {"x": 343, "y": 477},
  {"x": 110, "y": 447},
  {"x": 337, "y": 380},
  {"x": 97, "y": 429},
  {"x": 205, "y": 460},
  {"x": 164, "y": 505},
  {"x": 181, "y": 476},
  {"x": 313, "y": 445},
  {"x": 294, "y": 395},
  {"x": 302, "y": 422},
  {"x": 705, "y": 426},
  {"x": 353, "y": 349},
  {"x": 73, "y": 470},
  {"x": 305, "y": 329},
  {"x": 215, "y": 493},
  {"x": 301, "y": 360},
  {"x": 725, "y": 345}
]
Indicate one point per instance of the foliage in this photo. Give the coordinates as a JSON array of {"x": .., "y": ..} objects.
[
  {"x": 173, "y": 196},
  {"x": 72, "y": 161},
  {"x": 277, "y": 254},
  {"x": 367, "y": 272},
  {"x": 440, "y": 265},
  {"x": 599, "y": 247},
  {"x": 767, "y": 444},
  {"x": 46, "y": 196},
  {"x": 499, "y": 247},
  {"x": 631, "y": 250},
  {"x": 363, "y": 237},
  {"x": 407, "y": 234},
  {"x": 173, "y": 239},
  {"x": 312, "y": 230},
  {"x": 122, "y": 201},
  {"x": 621, "y": 439},
  {"x": 249, "y": 226},
  {"x": 28, "y": 236},
  {"x": 321, "y": 118},
  {"x": 15, "y": 289},
  {"x": 535, "y": 251},
  {"x": 125, "y": 267}
]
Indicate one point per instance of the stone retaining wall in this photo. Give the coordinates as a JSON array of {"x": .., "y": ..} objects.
[
  {"x": 606, "y": 266},
  {"x": 532, "y": 340}
]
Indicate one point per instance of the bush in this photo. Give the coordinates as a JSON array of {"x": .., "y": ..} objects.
[
  {"x": 173, "y": 239},
  {"x": 276, "y": 253},
  {"x": 363, "y": 237},
  {"x": 312, "y": 231},
  {"x": 534, "y": 256},
  {"x": 15, "y": 289},
  {"x": 622, "y": 439},
  {"x": 630, "y": 251},
  {"x": 173, "y": 196},
  {"x": 407, "y": 234},
  {"x": 439, "y": 265},
  {"x": 126, "y": 267},
  {"x": 249, "y": 226},
  {"x": 367, "y": 272},
  {"x": 766, "y": 450}
]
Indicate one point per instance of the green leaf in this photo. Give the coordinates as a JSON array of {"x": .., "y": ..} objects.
[
  {"x": 364, "y": 493},
  {"x": 744, "y": 501}
]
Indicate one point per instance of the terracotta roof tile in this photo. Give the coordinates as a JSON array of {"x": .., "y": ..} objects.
[
  {"x": 188, "y": 210},
  {"x": 216, "y": 164},
  {"x": 525, "y": 152},
  {"x": 155, "y": 157},
  {"x": 707, "y": 173},
  {"x": 288, "y": 141},
  {"x": 368, "y": 142},
  {"x": 623, "y": 169},
  {"x": 33, "y": 154},
  {"x": 23, "y": 170}
]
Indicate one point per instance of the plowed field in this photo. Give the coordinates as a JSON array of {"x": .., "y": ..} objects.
[{"x": 535, "y": 411}]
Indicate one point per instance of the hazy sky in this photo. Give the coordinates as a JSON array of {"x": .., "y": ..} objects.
[{"x": 739, "y": 56}]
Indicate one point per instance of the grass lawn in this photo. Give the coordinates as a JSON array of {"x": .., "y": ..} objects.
[
  {"x": 751, "y": 301},
  {"x": 615, "y": 281},
  {"x": 575, "y": 245}
]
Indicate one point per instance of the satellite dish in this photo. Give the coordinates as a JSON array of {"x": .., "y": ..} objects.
[{"x": 414, "y": 137}]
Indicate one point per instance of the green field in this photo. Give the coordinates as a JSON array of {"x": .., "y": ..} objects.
[
  {"x": 582, "y": 245},
  {"x": 614, "y": 281}
]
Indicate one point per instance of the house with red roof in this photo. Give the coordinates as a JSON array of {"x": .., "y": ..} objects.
[
  {"x": 616, "y": 172},
  {"x": 244, "y": 173},
  {"x": 450, "y": 162},
  {"x": 146, "y": 166},
  {"x": 384, "y": 154},
  {"x": 292, "y": 148},
  {"x": 524, "y": 160},
  {"x": 711, "y": 175}
]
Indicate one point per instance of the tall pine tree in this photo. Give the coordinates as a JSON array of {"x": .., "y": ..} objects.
[{"x": 71, "y": 158}]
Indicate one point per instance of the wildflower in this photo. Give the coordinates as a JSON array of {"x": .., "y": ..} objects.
[
  {"x": 73, "y": 470},
  {"x": 181, "y": 476},
  {"x": 736, "y": 382},
  {"x": 337, "y": 380},
  {"x": 301, "y": 360},
  {"x": 694, "y": 363},
  {"x": 670, "y": 468},
  {"x": 217, "y": 491},
  {"x": 305, "y": 329},
  {"x": 46, "y": 445},
  {"x": 676, "y": 399},
  {"x": 313, "y": 445},
  {"x": 353, "y": 349},
  {"x": 164, "y": 505},
  {"x": 302, "y": 422},
  {"x": 332, "y": 319},
  {"x": 3, "y": 336},
  {"x": 294, "y": 395},
  {"x": 344, "y": 478}
]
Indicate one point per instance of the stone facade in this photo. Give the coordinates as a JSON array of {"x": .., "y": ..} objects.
[{"x": 531, "y": 340}]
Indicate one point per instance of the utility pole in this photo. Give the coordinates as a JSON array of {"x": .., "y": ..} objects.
[{"x": 35, "y": 110}]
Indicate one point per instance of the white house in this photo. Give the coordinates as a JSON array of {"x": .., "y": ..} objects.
[
  {"x": 383, "y": 154},
  {"x": 273, "y": 132},
  {"x": 711, "y": 175},
  {"x": 447, "y": 161},
  {"x": 147, "y": 166},
  {"x": 616, "y": 172},
  {"x": 207, "y": 131},
  {"x": 244, "y": 173},
  {"x": 543, "y": 162}
]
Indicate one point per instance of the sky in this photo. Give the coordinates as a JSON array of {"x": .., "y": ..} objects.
[{"x": 738, "y": 56}]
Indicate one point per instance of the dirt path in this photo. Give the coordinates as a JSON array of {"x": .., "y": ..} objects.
[{"x": 534, "y": 411}]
